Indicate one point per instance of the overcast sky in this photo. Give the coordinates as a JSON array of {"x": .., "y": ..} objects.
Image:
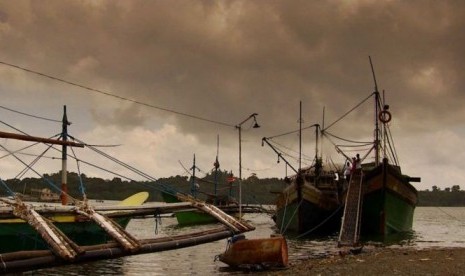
[{"x": 219, "y": 62}]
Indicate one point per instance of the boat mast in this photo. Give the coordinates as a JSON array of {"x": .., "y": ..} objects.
[
  {"x": 193, "y": 188},
  {"x": 376, "y": 92},
  {"x": 217, "y": 164},
  {"x": 300, "y": 137},
  {"x": 321, "y": 133},
  {"x": 299, "y": 178},
  {"x": 316, "y": 141},
  {"x": 64, "y": 154}
]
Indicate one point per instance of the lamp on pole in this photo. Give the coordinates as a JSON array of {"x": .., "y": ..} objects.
[{"x": 239, "y": 128}]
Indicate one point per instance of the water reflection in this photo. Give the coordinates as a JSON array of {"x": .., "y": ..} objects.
[{"x": 432, "y": 227}]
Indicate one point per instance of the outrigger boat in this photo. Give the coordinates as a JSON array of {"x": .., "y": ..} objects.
[{"x": 34, "y": 235}]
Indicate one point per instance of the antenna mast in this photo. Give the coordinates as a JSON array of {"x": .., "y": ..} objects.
[
  {"x": 300, "y": 137},
  {"x": 376, "y": 92}
]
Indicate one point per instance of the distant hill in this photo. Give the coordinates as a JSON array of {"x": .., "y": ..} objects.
[
  {"x": 254, "y": 190},
  {"x": 436, "y": 197}
]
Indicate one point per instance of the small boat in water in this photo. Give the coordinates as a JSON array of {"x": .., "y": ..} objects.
[
  {"x": 223, "y": 201},
  {"x": 264, "y": 253}
]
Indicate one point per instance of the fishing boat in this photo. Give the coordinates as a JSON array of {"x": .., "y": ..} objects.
[
  {"x": 312, "y": 199},
  {"x": 223, "y": 201},
  {"x": 380, "y": 200},
  {"x": 376, "y": 199},
  {"x": 195, "y": 217}
]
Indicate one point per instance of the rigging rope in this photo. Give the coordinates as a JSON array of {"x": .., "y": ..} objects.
[
  {"x": 9, "y": 191},
  {"x": 81, "y": 184},
  {"x": 346, "y": 140},
  {"x": 30, "y": 115},
  {"x": 116, "y": 96},
  {"x": 290, "y": 132},
  {"x": 348, "y": 112},
  {"x": 40, "y": 175},
  {"x": 293, "y": 214},
  {"x": 321, "y": 223}
]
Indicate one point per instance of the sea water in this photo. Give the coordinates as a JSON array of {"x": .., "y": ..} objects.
[{"x": 432, "y": 227}]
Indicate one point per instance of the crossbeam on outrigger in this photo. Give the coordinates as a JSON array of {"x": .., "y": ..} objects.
[{"x": 64, "y": 251}]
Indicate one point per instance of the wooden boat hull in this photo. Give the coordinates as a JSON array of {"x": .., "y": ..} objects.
[
  {"x": 388, "y": 206},
  {"x": 17, "y": 235},
  {"x": 195, "y": 217},
  {"x": 269, "y": 252},
  {"x": 316, "y": 212},
  {"x": 186, "y": 218},
  {"x": 389, "y": 202}
]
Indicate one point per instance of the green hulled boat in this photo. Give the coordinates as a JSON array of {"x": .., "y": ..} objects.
[
  {"x": 389, "y": 201},
  {"x": 194, "y": 216},
  {"x": 374, "y": 198},
  {"x": 224, "y": 202},
  {"x": 17, "y": 235},
  {"x": 190, "y": 217},
  {"x": 380, "y": 199}
]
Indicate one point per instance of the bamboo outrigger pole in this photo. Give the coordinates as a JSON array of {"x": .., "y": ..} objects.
[{"x": 9, "y": 135}]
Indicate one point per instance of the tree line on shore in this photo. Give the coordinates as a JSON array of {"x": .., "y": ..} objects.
[{"x": 254, "y": 189}]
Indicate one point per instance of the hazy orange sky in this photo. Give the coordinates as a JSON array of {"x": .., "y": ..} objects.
[{"x": 224, "y": 60}]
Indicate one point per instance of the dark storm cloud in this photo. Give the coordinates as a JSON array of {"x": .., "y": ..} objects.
[{"x": 224, "y": 60}]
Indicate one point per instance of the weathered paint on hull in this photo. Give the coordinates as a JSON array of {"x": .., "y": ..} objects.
[
  {"x": 307, "y": 210},
  {"x": 191, "y": 217},
  {"x": 17, "y": 236},
  {"x": 269, "y": 251},
  {"x": 385, "y": 213},
  {"x": 186, "y": 218},
  {"x": 314, "y": 220},
  {"x": 389, "y": 202}
]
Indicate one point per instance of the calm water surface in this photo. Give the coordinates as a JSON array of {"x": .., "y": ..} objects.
[{"x": 433, "y": 227}]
